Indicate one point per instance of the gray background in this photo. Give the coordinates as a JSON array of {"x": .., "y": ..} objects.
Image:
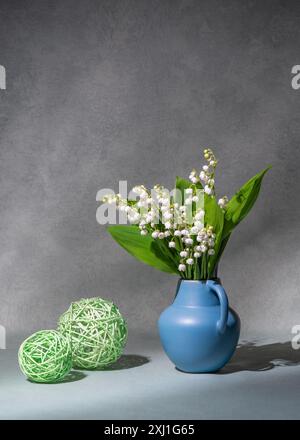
[{"x": 102, "y": 91}]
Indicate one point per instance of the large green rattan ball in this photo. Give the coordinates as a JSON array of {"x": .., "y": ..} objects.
[
  {"x": 97, "y": 332},
  {"x": 45, "y": 356}
]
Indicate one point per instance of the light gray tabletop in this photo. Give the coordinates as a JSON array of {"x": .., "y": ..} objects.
[{"x": 261, "y": 381}]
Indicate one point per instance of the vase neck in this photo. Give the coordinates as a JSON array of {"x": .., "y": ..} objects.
[{"x": 195, "y": 293}]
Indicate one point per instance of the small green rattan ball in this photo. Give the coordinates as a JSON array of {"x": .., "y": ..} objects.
[
  {"x": 97, "y": 332},
  {"x": 45, "y": 356}
]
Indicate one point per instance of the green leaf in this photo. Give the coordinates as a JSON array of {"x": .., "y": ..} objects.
[
  {"x": 139, "y": 246},
  {"x": 221, "y": 249},
  {"x": 214, "y": 216},
  {"x": 162, "y": 251},
  {"x": 182, "y": 184},
  {"x": 241, "y": 203}
]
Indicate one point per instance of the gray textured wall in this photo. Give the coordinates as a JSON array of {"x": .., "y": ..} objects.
[{"x": 99, "y": 91}]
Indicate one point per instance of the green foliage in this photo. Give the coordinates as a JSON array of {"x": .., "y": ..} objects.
[
  {"x": 184, "y": 184},
  {"x": 156, "y": 252},
  {"x": 242, "y": 202},
  {"x": 163, "y": 253},
  {"x": 181, "y": 185},
  {"x": 141, "y": 247},
  {"x": 214, "y": 216}
]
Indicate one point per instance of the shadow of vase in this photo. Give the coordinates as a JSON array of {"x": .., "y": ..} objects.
[{"x": 251, "y": 357}]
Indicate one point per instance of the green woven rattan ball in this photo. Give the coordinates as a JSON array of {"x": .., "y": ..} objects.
[
  {"x": 45, "y": 356},
  {"x": 97, "y": 331}
]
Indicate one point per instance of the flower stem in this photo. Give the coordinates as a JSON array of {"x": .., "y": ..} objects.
[{"x": 196, "y": 271}]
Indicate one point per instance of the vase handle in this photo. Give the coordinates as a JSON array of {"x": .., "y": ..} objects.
[{"x": 219, "y": 290}]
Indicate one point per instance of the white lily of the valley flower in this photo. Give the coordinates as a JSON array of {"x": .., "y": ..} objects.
[
  {"x": 182, "y": 267},
  {"x": 203, "y": 176},
  {"x": 199, "y": 215},
  {"x": 165, "y": 201},
  {"x": 167, "y": 215},
  {"x": 194, "y": 230},
  {"x": 154, "y": 234},
  {"x": 211, "y": 242},
  {"x": 133, "y": 218},
  {"x": 208, "y": 190},
  {"x": 197, "y": 255},
  {"x": 161, "y": 235},
  {"x": 144, "y": 232},
  {"x": 189, "y": 241},
  {"x": 183, "y": 254},
  {"x": 199, "y": 224},
  {"x": 172, "y": 244},
  {"x": 140, "y": 189},
  {"x": 190, "y": 261},
  {"x": 223, "y": 202},
  {"x": 211, "y": 251},
  {"x": 177, "y": 233},
  {"x": 144, "y": 195},
  {"x": 193, "y": 176}
]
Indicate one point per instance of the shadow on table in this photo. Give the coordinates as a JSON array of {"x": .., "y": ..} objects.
[
  {"x": 251, "y": 357},
  {"x": 127, "y": 361},
  {"x": 72, "y": 376}
]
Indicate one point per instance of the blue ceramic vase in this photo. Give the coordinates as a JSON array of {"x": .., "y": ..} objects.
[{"x": 199, "y": 332}]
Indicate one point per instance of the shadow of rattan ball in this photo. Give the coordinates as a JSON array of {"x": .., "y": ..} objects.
[
  {"x": 97, "y": 331},
  {"x": 45, "y": 356}
]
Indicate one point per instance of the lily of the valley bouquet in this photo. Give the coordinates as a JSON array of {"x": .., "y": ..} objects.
[{"x": 184, "y": 231}]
